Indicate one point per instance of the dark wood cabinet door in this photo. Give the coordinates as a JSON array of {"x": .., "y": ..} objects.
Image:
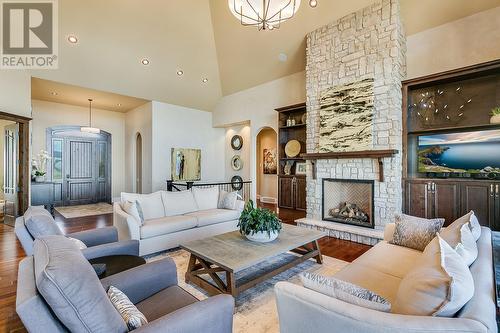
[
  {"x": 446, "y": 200},
  {"x": 479, "y": 197},
  {"x": 417, "y": 199},
  {"x": 300, "y": 194},
  {"x": 285, "y": 192}
]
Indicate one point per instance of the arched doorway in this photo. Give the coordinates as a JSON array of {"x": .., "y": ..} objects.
[
  {"x": 138, "y": 163},
  {"x": 267, "y": 166}
]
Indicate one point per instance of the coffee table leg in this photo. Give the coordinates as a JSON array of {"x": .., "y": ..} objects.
[
  {"x": 319, "y": 257},
  {"x": 231, "y": 284},
  {"x": 192, "y": 262}
]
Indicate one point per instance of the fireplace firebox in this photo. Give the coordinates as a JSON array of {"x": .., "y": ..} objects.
[{"x": 348, "y": 201}]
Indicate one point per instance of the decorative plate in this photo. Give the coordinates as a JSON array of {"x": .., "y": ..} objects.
[
  {"x": 237, "y": 183},
  {"x": 236, "y": 163},
  {"x": 236, "y": 142},
  {"x": 292, "y": 148}
]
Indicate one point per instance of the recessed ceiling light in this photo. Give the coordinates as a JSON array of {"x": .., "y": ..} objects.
[
  {"x": 145, "y": 61},
  {"x": 180, "y": 72},
  {"x": 313, "y": 3},
  {"x": 205, "y": 80},
  {"x": 72, "y": 39},
  {"x": 119, "y": 104},
  {"x": 53, "y": 93}
]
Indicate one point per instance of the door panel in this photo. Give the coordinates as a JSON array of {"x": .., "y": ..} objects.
[
  {"x": 446, "y": 201},
  {"x": 477, "y": 196},
  {"x": 417, "y": 199},
  {"x": 300, "y": 194},
  {"x": 80, "y": 176},
  {"x": 11, "y": 178},
  {"x": 285, "y": 195}
]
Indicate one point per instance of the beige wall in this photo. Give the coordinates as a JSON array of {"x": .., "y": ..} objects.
[
  {"x": 48, "y": 114},
  {"x": 267, "y": 185},
  {"x": 244, "y": 152},
  {"x": 470, "y": 40}
]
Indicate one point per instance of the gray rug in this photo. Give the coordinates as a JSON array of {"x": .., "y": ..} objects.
[
  {"x": 255, "y": 307},
  {"x": 71, "y": 212}
]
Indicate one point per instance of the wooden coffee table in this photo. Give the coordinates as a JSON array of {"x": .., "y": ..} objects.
[{"x": 231, "y": 253}]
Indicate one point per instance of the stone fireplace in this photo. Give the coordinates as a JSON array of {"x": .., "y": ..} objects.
[
  {"x": 365, "y": 50},
  {"x": 348, "y": 201}
]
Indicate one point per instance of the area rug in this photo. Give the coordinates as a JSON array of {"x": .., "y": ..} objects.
[
  {"x": 255, "y": 307},
  {"x": 71, "y": 212}
]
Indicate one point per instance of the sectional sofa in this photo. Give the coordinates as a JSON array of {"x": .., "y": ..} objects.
[{"x": 166, "y": 219}]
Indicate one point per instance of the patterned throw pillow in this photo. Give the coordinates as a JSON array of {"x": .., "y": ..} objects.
[
  {"x": 129, "y": 312},
  {"x": 81, "y": 245},
  {"x": 345, "y": 291},
  {"x": 415, "y": 232},
  {"x": 227, "y": 200}
]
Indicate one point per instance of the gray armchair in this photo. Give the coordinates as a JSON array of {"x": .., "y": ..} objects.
[
  {"x": 101, "y": 242},
  {"x": 58, "y": 291}
]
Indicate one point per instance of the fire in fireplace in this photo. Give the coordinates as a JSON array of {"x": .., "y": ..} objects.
[{"x": 348, "y": 201}]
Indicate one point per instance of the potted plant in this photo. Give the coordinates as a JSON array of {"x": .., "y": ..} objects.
[
  {"x": 259, "y": 224},
  {"x": 495, "y": 115},
  {"x": 39, "y": 166}
]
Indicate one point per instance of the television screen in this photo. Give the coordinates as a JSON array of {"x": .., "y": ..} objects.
[{"x": 464, "y": 152}]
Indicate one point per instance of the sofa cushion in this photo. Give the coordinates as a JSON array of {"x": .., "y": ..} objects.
[
  {"x": 151, "y": 205},
  {"x": 178, "y": 203},
  {"x": 214, "y": 216},
  {"x": 130, "y": 207},
  {"x": 390, "y": 259},
  {"x": 40, "y": 223},
  {"x": 440, "y": 284},
  {"x": 207, "y": 197},
  {"x": 461, "y": 239},
  {"x": 167, "y": 225},
  {"x": 345, "y": 291},
  {"x": 71, "y": 288},
  {"x": 380, "y": 283},
  {"x": 415, "y": 232},
  {"x": 227, "y": 200},
  {"x": 164, "y": 302}
]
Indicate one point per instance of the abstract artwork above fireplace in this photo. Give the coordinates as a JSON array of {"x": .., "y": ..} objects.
[{"x": 346, "y": 116}]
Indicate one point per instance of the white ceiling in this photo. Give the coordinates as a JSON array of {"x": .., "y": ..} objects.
[{"x": 202, "y": 38}]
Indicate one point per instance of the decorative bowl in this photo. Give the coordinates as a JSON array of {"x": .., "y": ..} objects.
[{"x": 262, "y": 237}]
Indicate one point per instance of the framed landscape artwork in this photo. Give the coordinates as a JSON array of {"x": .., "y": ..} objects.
[
  {"x": 185, "y": 164},
  {"x": 346, "y": 116},
  {"x": 269, "y": 163}
]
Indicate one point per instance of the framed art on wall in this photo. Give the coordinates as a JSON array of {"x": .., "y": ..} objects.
[
  {"x": 269, "y": 161},
  {"x": 185, "y": 164},
  {"x": 300, "y": 168}
]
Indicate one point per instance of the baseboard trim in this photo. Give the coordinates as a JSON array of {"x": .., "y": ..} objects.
[{"x": 270, "y": 200}]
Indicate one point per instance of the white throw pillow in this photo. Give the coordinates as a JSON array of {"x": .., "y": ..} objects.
[
  {"x": 150, "y": 204},
  {"x": 460, "y": 238},
  {"x": 227, "y": 200},
  {"x": 178, "y": 203},
  {"x": 440, "y": 284},
  {"x": 207, "y": 197},
  {"x": 345, "y": 291},
  {"x": 132, "y": 209},
  {"x": 475, "y": 226}
]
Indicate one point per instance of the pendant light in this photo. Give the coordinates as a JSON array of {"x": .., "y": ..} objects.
[{"x": 90, "y": 129}]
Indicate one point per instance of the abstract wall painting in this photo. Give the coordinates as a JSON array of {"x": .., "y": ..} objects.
[
  {"x": 269, "y": 161},
  {"x": 346, "y": 116},
  {"x": 185, "y": 164}
]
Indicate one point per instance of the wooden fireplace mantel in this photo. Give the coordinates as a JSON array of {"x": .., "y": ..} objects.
[{"x": 373, "y": 154}]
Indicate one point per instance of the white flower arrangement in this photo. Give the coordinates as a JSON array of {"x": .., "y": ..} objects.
[{"x": 39, "y": 164}]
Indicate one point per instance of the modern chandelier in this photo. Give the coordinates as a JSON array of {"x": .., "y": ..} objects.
[
  {"x": 264, "y": 14},
  {"x": 90, "y": 129}
]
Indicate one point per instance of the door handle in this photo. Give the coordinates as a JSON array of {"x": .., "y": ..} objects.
[
  {"x": 497, "y": 191},
  {"x": 492, "y": 192}
]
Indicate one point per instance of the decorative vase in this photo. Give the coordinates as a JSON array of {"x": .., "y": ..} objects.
[
  {"x": 495, "y": 119},
  {"x": 262, "y": 236},
  {"x": 39, "y": 179}
]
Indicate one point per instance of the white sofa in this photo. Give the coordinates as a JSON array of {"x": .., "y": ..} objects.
[
  {"x": 381, "y": 269},
  {"x": 171, "y": 218}
]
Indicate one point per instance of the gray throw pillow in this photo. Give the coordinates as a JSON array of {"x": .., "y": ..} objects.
[
  {"x": 415, "y": 232},
  {"x": 345, "y": 291},
  {"x": 129, "y": 312},
  {"x": 71, "y": 288},
  {"x": 227, "y": 200},
  {"x": 40, "y": 223}
]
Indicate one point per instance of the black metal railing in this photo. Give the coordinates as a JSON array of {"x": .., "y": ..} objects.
[{"x": 242, "y": 187}]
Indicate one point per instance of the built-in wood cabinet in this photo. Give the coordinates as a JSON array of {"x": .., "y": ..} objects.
[
  {"x": 450, "y": 199},
  {"x": 292, "y": 192}
]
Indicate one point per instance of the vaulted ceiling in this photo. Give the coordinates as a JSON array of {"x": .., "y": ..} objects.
[{"x": 203, "y": 39}]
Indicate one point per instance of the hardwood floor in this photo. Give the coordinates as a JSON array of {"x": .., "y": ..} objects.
[{"x": 11, "y": 253}]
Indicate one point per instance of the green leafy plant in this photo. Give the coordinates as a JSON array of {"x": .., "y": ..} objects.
[
  {"x": 39, "y": 173},
  {"x": 495, "y": 111},
  {"x": 253, "y": 220}
]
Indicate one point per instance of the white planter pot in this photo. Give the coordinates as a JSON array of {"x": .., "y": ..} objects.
[
  {"x": 39, "y": 179},
  {"x": 262, "y": 237},
  {"x": 495, "y": 119}
]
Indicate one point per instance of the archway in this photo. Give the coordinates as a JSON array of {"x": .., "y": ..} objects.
[
  {"x": 138, "y": 163},
  {"x": 267, "y": 165}
]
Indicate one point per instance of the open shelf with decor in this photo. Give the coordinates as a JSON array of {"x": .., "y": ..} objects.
[
  {"x": 451, "y": 144},
  {"x": 291, "y": 144}
]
